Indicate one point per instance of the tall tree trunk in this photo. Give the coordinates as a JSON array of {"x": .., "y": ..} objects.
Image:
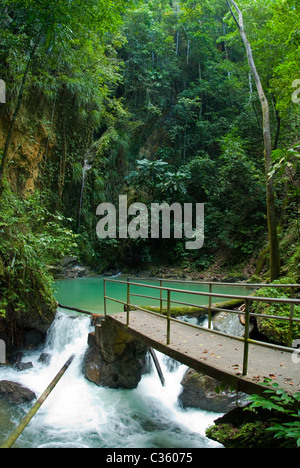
[
  {"x": 271, "y": 211},
  {"x": 278, "y": 120}
]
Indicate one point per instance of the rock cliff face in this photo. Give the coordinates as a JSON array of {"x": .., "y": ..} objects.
[
  {"x": 31, "y": 143},
  {"x": 26, "y": 330},
  {"x": 114, "y": 359}
]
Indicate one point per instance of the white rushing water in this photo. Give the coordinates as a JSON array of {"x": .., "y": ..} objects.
[{"x": 78, "y": 414}]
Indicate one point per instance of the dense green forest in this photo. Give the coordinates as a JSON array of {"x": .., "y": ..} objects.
[{"x": 156, "y": 100}]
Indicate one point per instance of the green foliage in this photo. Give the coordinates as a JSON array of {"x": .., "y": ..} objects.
[
  {"x": 277, "y": 400},
  {"x": 277, "y": 330},
  {"x": 276, "y": 24},
  {"x": 30, "y": 238},
  {"x": 57, "y": 26},
  {"x": 54, "y": 239},
  {"x": 195, "y": 124},
  {"x": 240, "y": 207},
  {"x": 284, "y": 162},
  {"x": 157, "y": 96},
  {"x": 156, "y": 181}
]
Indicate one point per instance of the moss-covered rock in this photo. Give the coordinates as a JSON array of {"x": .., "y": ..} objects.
[
  {"x": 204, "y": 392},
  {"x": 244, "y": 429}
]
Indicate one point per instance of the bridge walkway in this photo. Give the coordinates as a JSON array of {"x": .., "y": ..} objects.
[{"x": 214, "y": 354}]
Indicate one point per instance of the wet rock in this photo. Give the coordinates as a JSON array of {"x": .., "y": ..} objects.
[
  {"x": 21, "y": 366},
  {"x": 229, "y": 323},
  {"x": 114, "y": 359},
  {"x": 92, "y": 364},
  {"x": 200, "y": 391},
  {"x": 45, "y": 358},
  {"x": 15, "y": 392},
  {"x": 75, "y": 272},
  {"x": 69, "y": 268}
]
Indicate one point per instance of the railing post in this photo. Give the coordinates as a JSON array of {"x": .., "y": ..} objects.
[
  {"x": 161, "y": 297},
  {"x": 169, "y": 318},
  {"x": 105, "y": 305},
  {"x": 209, "y": 308},
  {"x": 246, "y": 338},
  {"x": 128, "y": 302},
  {"x": 290, "y": 335}
]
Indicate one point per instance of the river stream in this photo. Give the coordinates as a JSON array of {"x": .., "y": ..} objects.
[{"x": 78, "y": 414}]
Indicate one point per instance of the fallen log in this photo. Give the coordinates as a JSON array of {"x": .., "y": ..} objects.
[
  {"x": 81, "y": 311},
  {"x": 24, "y": 423}
]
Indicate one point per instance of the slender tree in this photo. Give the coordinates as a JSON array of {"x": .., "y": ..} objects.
[{"x": 271, "y": 212}]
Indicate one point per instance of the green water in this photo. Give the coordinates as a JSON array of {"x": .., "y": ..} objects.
[{"x": 88, "y": 293}]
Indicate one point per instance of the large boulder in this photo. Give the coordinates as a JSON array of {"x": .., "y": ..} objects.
[
  {"x": 114, "y": 359},
  {"x": 15, "y": 392},
  {"x": 69, "y": 267},
  {"x": 204, "y": 392},
  {"x": 229, "y": 323}
]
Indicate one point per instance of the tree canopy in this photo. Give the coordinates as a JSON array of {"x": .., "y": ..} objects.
[{"x": 154, "y": 99}]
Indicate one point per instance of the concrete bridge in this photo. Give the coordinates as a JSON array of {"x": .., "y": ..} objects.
[{"x": 243, "y": 363}]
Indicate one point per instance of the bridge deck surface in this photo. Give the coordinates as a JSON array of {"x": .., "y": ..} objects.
[{"x": 219, "y": 356}]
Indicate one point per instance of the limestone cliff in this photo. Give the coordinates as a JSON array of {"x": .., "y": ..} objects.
[{"x": 32, "y": 143}]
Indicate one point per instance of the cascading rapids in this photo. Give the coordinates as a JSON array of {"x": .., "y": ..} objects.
[{"x": 80, "y": 414}]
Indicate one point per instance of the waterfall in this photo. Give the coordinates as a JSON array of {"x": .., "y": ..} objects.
[
  {"x": 78, "y": 414},
  {"x": 86, "y": 167},
  {"x": 177, "y": 43},
  {"x": 188, "y": 52}
]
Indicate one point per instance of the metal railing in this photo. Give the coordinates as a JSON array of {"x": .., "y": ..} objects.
[{"x": 247, "y": 300}]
